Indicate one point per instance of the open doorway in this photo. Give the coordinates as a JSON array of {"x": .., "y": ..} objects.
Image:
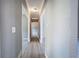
[{"x": 31, "y": 32}]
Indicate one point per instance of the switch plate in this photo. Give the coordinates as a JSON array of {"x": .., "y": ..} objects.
[{"x": 13, "y": 29}]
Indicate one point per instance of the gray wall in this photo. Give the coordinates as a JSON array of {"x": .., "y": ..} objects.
[
  {"x": 61, "y": 28},
  {"x": 10, "y": 17},
  {"x": 0, "y": 34},
  {"x": 78, "y": 20},
  {"x": 0, "y": 42}
]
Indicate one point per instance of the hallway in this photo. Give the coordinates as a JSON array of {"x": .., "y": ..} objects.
[{"x": 39, "y": 28}]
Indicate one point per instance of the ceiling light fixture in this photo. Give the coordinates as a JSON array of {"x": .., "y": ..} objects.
[
  {"x": 34, "y": 18},
  {"x": 35, "y": 9}
]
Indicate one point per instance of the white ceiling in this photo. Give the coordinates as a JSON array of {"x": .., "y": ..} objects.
[{"x": 31, "y": 4}]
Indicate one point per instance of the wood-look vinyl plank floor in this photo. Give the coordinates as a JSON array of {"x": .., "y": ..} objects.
[{"x": 34, "y": 50}]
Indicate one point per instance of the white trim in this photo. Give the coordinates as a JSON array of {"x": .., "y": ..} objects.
[{"x": 20, "y": 54}]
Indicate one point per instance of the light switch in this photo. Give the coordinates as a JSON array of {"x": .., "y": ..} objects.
[{"x": 13, "y": 29}]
